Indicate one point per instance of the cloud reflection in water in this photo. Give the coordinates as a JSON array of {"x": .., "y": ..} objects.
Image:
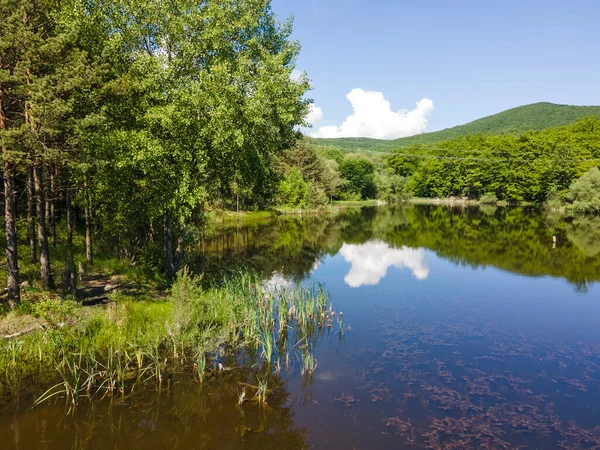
[{"x": 371, "y": 261}]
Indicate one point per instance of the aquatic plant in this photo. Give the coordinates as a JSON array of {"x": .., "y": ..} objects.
[
  {"x": 113, "y": 350},
  {"x": 262, "y": 391},
  {"x": 200, "y": 364}
]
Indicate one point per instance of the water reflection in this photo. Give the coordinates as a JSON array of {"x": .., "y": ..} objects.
[
  {"x": 507, "y": 357},
  {"x": 371, "y": 261},
  {"x": 516, "y": 240},
  {"x": 186, "y": 415}
]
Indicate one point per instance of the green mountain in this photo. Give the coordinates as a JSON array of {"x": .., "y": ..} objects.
[{"x": 537, "y": 116}]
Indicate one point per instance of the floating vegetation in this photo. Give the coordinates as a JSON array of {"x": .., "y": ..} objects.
[
  {"x": 461, "y": 382},
  {"x": 348, "y": 400}
]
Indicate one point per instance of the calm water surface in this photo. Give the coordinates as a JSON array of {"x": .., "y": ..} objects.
[{"x": 462, "y": 329}]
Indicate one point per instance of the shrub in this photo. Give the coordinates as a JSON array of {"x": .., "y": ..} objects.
[
  {"x": 293, "y": 188},
  {"x": 554, "y": 202},
  {"x": 489, "y": 199},
  {"x": 55, "y": 310},
  {"x": 315, "y": 196},
  {"x": 359, "y": 172},
  {"x": 584, "y": 193},
  {"x": 390, "y": 187}
]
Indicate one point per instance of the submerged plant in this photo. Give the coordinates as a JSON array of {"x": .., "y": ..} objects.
[
  {"x": 200, "y": 364},
  {"x": 262, "y": 391}
]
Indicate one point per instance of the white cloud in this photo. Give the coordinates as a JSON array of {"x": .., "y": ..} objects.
[
  {"x": 373, "y": 118},
  {"x": 371, "y": 261},
  {"x": 315, "y": 115}
]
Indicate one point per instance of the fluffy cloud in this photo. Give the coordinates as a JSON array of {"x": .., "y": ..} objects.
[
  {"x": 373, "y": 118},
  {"x": 371, "y": 261},
  {"x": 315, "y": 115}
]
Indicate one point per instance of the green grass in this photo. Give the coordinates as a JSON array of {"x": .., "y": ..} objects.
[
  {"x": 221, "y": 216},
  {"x": 357, "y": 204},
  {"x": 537, "y": 116}
]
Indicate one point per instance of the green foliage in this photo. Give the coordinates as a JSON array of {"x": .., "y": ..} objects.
[
  {"x": 527, "y": 167},
  {"x": 584, "y": 193},
  {"x": 332, "y": 153},
  {"x": 145, "y": 114},
  {"x": 360, "y": 175},
  {"x": 293, "y": 189},
  {"x": 342, "y": 145},
  {"x": 390, "y": 187},
  {"x": 309, "y": 179},
  {"x": 54, "y": 310},
  {"x": 489, "y": 199}
]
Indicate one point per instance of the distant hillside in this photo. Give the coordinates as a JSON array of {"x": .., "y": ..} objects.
[
  {"x": 537, "y": 116},
  {"x": 350, "y": 143}
]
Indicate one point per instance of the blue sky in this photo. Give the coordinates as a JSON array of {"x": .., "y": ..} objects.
[{"x": 470, "y": 58}]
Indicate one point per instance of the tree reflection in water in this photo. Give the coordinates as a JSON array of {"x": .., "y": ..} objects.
[
  {"x": 185, "y": 415},
  {"x": 517, "y": 240}
]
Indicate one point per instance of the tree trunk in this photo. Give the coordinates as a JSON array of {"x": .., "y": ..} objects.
[
  {"x": 45, "y": 272},
  {"x": 31, "y": 216},
  {"x": 10, "y": 214},
  {"x": 179, "y": 251},
  {"x": 69, "y": 280},
  {"x": 52, "y": 207},
  {"x": 168, "y": 248},
  {"x": 46, "y": 188},
  {"x": 89, "y": 255}
]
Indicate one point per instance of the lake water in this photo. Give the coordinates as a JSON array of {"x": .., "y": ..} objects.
[{"x": 462, "y": 328}]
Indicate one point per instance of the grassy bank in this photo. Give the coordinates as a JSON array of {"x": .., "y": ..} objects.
[
  {"x": 226, "y": 216},
  {"x": 221, "y": 217},
  {"x": 357, "y": 204},
  {"x": 97, "y": 352},
  {"x": 458, "y": 201}
]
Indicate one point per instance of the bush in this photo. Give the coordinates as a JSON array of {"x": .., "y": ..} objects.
[
  {"x": 359, "y": 172},
  {"x": 390, "y": 187},
  {"x": 489, "y": 199},
  {"x": 584, "y": 193},
  {"x": 315, "y": 196},
  {"x": 55, "y": 310},
  {"x": 554, "y": 202},
  {"x": 293, "y": 189}
]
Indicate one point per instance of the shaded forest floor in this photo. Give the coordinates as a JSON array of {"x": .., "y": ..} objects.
[{"x": 94, "y": 290}]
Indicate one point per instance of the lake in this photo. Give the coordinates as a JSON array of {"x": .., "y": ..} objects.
[{"x": 462, "y": 328}]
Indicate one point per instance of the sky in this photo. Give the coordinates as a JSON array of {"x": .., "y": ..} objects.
[{"x": 392, "y": 68}]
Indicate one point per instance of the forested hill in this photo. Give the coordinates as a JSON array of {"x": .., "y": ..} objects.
[{"x": 537, "y": 116}]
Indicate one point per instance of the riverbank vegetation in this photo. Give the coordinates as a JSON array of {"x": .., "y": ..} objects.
[
  {"x": 557, "y": 166},
  {"x": 93, "y": 353}
]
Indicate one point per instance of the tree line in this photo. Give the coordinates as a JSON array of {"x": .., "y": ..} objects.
[
  {"x": 530, "y": 167},
  {"x": 557, "y": 166},
  {"x": 313, "y": 176},
  {"x": 130, "y": 116}
]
